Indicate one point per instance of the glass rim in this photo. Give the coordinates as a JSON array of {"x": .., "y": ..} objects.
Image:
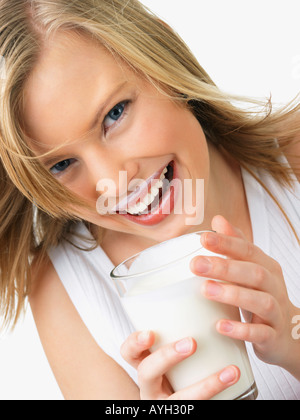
[{"x": 132, "y": 276}]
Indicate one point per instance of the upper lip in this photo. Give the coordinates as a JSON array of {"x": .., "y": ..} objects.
[{"x": 139, "y": 193}]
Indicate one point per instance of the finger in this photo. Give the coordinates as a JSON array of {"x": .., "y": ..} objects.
[
  {"x": 221, "y": 225},
  {"x": 246, "y": 274},
  {"x": 152, "y": 369},
  {"x": 137, "y": 346},
  {"x": 259, "y": 303},
  {"x": 253, "y": 333},
  {"x": 237, "y": 249},
  {"x": 210, "y": 387}
]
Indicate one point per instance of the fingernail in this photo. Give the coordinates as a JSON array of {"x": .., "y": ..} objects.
[
  {"x": 184, "y": 346},
  {"x": 143, "y": 337},
  {"x": 203, "y": 265},
  {"x": 211, "y": 239},
  {"x": 226, "y": 327},
  {"x": 228, "y": 375},
  {"x": 212, "y": 289}
]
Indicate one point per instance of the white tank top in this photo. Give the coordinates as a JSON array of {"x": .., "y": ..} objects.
[{"x": 85, "y": 276}]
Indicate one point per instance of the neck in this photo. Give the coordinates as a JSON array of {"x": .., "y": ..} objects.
[{"x": 226, "y": 193}]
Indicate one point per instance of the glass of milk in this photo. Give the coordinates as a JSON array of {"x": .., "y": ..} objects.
[{"x": 160, "y": 293}]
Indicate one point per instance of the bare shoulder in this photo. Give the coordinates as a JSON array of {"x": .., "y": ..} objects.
[{"x": 81, "y": 368}]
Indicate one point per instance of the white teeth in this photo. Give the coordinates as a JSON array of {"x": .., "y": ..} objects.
[
  {"x": 154, "y": 191},
  {"x": 159, "y": 184},
  {"x": 139, "y": 208},
  {"x": 149, "y": 198}
]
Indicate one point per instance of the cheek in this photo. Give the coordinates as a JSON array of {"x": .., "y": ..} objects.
[
  {"x": 190, "y": 139},
  {"x": 84, "y": 188},
  {"x": 167, "y": 129},
  {"x": 152, "y": 136}
]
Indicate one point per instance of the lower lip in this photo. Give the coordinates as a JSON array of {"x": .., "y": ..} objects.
[{"x": 165, "y": 208}]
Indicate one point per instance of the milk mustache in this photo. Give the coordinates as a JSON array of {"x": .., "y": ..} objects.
[{"x": 169, "y": 302}]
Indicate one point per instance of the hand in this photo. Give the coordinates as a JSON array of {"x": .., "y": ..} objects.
[
  {"x": 152, "y": 368},
  {"x": 256, "y": 285}
]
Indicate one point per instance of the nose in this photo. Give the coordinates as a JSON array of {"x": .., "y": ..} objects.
[{"x": 111, "y": 173}]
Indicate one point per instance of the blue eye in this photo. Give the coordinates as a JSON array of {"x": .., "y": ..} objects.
[
  {"x": 115, "y": 114},
  {"x": 61, "y": 166}
]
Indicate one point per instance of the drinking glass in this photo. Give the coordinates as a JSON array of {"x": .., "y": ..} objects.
[{"x": 160, "y": 293}]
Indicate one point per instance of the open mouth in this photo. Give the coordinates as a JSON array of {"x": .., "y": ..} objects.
[{"x": 156, "y": 192}]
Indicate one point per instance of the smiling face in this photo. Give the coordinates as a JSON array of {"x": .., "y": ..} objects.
[{"x": 108, "y": 119}]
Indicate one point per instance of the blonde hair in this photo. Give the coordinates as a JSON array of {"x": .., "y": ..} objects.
[{"x": 35, "y": 210}]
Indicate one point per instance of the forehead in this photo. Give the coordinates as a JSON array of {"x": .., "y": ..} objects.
[{"x": 72, "y": 76}]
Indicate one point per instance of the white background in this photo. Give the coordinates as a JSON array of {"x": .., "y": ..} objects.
[{"x": 249, "y": 48}]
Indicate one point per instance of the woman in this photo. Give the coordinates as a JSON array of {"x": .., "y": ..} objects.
[{"x": 97, "y": 88}]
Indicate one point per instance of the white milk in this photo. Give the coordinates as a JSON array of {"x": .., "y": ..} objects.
[
  {"x": 179, "y": 310},
  {"x": 160, "y": 293}
]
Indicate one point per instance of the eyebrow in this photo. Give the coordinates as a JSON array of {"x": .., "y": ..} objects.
[
  {"x": 52, "y": 160},
  {"x": 104, "y": 105}
]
